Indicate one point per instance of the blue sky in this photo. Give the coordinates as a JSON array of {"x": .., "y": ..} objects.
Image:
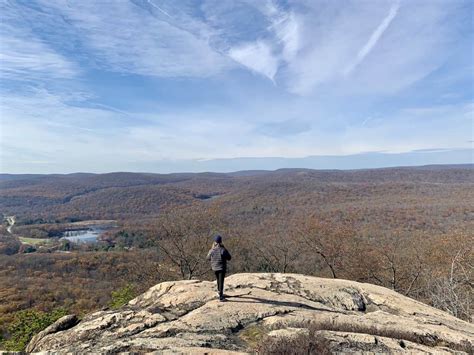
[{"x": 161, "y": 86}]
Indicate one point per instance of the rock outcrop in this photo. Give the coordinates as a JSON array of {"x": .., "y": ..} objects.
[{"x": 186, "y": 317}]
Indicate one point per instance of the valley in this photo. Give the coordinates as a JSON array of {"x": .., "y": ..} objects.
[{"x": 407, "y": 229}]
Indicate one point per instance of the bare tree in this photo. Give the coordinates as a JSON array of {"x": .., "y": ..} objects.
[
  {"x": 185, "y": 238},
  {"x": 454, "y": 293},
  {"x": 398, "y": 265},
  {"x": 276, "y": 247},
  {"x": 330, "y": 242}
]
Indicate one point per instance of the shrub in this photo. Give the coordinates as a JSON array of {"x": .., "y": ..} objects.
[
  {"x": 122, "y": 296},
  {"x": 315, "y": 343},
  {"x": 303, "y": 344},
  {"x": 9, "y": 245},
  {"x": 26, "y": 324}
]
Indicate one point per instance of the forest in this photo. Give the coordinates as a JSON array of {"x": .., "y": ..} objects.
[{"x": 408, "y": 229}]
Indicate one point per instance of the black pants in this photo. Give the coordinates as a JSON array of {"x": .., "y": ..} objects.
[{"x": 220, "y": 275}]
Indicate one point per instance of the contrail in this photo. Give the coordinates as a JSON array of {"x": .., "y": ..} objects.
[
  {"x": 113, "y": 109},
  {"x": 370, "y": 118},
  {"x": 159, "y": 8},
  {"x": 374, "y": 37}
]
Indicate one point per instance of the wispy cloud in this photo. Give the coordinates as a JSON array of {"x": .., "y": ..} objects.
[
  {"x": 127, "y": 37},
  {"x": 286, "y": 27},
  {"x": 299, "y": 47},
  {"x": 24, "y": 56},
  {"x": 256, "y": 56},
  {"x": 89, "y": 82},
  {"x": 44, "y": 122},
  {"x": 265, "y": 56},
  {"x": 30, "y": 59},
  {"x": 318, "y": 43}
]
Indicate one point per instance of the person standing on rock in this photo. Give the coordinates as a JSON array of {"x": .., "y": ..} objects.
[{"x": 218, "y": 255}]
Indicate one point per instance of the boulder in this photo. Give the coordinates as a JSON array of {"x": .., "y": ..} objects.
[
  {"x": 186, "y": 317},
  {"x": 62, "y": 323}
]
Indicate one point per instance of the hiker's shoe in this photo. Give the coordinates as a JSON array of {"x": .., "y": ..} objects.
[{"x": 222, "y": 299}]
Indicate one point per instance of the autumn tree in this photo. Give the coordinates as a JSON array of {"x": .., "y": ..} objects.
[
  {"x": 185, "y": 238},
  {"x": 451, "y": 285},
  {"x": 394, "y": 260},
  {"x": 328, "y": 241},
  {"x": 274, "y": 247}
]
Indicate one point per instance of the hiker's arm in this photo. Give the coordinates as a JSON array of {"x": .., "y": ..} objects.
[
  {"x": 209, "y": 255},
  {"x": 227, "y": 255}
]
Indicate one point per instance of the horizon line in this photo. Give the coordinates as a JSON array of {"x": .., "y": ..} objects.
[{"x": 448, "y": 165}]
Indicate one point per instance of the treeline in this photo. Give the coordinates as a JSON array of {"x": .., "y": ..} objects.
[{"x": 435, "y": 269}]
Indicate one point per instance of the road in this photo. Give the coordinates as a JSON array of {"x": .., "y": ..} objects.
[{"x": 11, "y": 222}]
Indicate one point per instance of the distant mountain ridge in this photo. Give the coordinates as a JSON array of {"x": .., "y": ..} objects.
[
  {"x": 120, "y": 195},
  {"x": 8, "y": 176},
  {"x": 368, "y": 160}
]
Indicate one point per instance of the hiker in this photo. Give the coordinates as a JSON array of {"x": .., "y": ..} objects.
[{"x": 218, "y": 255}]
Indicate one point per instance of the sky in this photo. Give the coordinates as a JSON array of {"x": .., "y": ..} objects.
[{"x": 221, "y": 85}]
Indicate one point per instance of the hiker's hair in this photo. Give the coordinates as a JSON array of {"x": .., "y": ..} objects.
[{"x": 215, "y": 244}]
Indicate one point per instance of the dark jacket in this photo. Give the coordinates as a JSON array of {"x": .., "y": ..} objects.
[{"x": 218, "y": 257}]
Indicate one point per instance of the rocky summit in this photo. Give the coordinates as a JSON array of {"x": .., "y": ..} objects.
[{"x": 187, "y": 317}]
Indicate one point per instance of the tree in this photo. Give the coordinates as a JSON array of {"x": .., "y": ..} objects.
[
  {"x": 9, "y": 245},
  {"x": 65, "y": 245},
  {"x": 276, "y": 248},
  {"x": 453, "y": 293},
  {"x": 396, "y": 261},
  {"x": 330, "y": 241},
  {"x": 185, "y": 238}
]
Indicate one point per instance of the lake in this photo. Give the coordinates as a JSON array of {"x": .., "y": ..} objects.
[{"x": 88, "y": 235}]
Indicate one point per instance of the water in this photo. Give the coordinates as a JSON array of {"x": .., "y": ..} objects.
[{"x": 88, "y": 235}]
